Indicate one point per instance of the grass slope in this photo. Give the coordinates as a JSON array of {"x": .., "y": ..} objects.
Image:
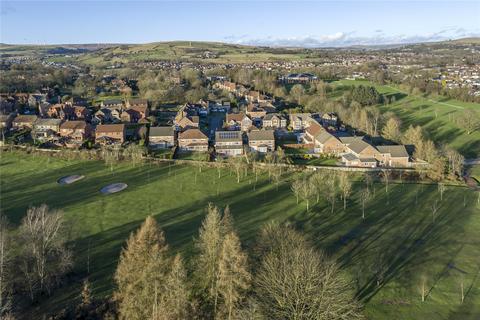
[
  {"x": 436, "y": 117},
  {"x": 397, "y": 234}
]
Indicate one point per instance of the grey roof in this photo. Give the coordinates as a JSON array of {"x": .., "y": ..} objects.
[
  {"x": 261, "y": 135},
  {"x": 112, "y": 101},
  {"x": 324, "y": 136},
  {"x": 225, "y": 136},
  {"x": 397, "y": 151},
  {"x": 161, "y": 131},
  {"x": 358, "y": 146},
  {"x": 349, "y": 157},
  {"x": 348, "y": 140}
]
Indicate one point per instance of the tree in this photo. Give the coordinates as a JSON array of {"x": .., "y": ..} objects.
[
  {"x": 345, "y": 184},
  {"x": 45, "y": 257},
  {"x": 233, "y": 276},
  {"x": 295, "y": 281},
  {"x": 365, "y": 196},
  {"x": 307, "y": 190},
  {"x": 297, "y": 188},
  {"x": 173, "y": 302},
  {"x": 141, "y": 272},
  {"x": 5, "y": 265},
  {"x": 237, "y": 165},
  {"x": 455, "y": 162},
  {"x": 470, "y": 120},
  {"x": 330, "y": 190},
  {"x": 441, "y": 189},
  {"x": 208, "y": 245},
  {"x": 391, "y": 130}
]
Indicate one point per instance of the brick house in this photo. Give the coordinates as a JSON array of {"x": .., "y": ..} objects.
[
  {"x": 393, "y": 156},
  {"x": 161, "y": 137},
  {"x": 325, "y": 142},
  {"x": 113, "y": 133},
  {"x": 238, "y": 121},
  {"x": 192, "y": 140},
  {"x": 23, "y": 121},
  {"x": 261, "y": 140},
  {"x": 77, "y": 130},
  {"x": 228, "y": 143},
  {"x": 359, "y": 153},
  {"x": 312, "y": 131}
]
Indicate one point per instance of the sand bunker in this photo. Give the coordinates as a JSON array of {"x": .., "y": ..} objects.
[
  {"x": 70, "y": 179},
  {"x": 112, "y": 188}
]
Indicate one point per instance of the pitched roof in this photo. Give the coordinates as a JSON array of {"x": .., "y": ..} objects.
[
  {"x": 324, "y": 136},
  {"x": 192, "y": 134},
  {"x": 110, "y": 128},
  {"x": 25, "y": 118},
  {"x": 314, "y": 128},
  {"x": 161, "y": 131},
  {"x": 73, "y": 125},
  {"x": 397, "y": 151},
  {"x": 261, "y": 135},
  {"x": 358, "y": 146},
  {"x": 234, "y": 116},
  {"x": 224, "y": 136}
]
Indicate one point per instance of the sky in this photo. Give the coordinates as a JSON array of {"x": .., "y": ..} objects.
[{"x": 268, "y": 22}]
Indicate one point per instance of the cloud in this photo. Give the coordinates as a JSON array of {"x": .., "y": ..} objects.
[{"x": 344, "y": 39}]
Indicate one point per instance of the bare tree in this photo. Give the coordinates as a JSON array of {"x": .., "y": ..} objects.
[
  {"x": 330, "y": 190},
  {"x": 345, "y": 184},
  {"x": 297, "y": 188},
  {"x": 5, "y": 265},
  {"x": 307, "y": 191},
  {"x": 386, "y": 175},
  {"x": 365, "y": 196},
  {"x": 295, "y": 281},
  {"x": 423, "y": 287},
  {"x": 45, "y": 254},
  {"x": 441, "y": 189}
]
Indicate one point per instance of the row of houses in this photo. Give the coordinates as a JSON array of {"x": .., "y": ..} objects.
[{"x": 355, "y": 151}]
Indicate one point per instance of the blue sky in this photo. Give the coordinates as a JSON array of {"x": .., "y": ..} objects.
[{"x": 276, "y": 23}]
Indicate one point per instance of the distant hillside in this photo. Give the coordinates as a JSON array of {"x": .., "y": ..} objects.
[{"x": 465, "y": 41}]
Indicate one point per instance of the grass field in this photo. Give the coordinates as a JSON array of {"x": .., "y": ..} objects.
[
  {"x": 396, "y": 234},
  {"x": 436, "y": 117}
]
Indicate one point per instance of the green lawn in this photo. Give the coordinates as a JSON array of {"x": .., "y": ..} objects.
[
  {"x": 437, "y": 117},
  {"x": 397, "y": 233}
]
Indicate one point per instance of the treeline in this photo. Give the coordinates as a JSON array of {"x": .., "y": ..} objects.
[
  {"x": 281, "y": 276},
  {"x": 34, "y": 77}
]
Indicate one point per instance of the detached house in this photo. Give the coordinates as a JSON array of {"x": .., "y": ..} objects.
[
  {"x": 77, "y": 131},
  {"x": 300, "y": 121},
  {"x": 229, "y": 143},
  {"x": 110, "y": 133},
  {"x": 238, "y": 121},
  {"x": 255, "y": 111},
  {"x": 393, "y": 156},
  {"x": 359, "y": 153},
  {"x": 261, "y": 140},
  {"x": 23, "y": 121},
  {"x": 274, "y": 121},
  {"x": 161, "y": 137},
  {"x": 325, "y": 142},
  {"x": 192, "y": 140},
  {"x": 113, "y": 104},
  {"x": 312, "y": 131},
  {"x": 187, "y": 122},
  {"x": 44, "y": 129}
]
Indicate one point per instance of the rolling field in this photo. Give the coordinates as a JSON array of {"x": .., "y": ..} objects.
[
  {"x": 438, "y": 118},
  {"x": 398, "y": 238}
]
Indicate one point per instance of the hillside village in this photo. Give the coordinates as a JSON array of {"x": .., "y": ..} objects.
[{"x": 211, "y": 127}]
